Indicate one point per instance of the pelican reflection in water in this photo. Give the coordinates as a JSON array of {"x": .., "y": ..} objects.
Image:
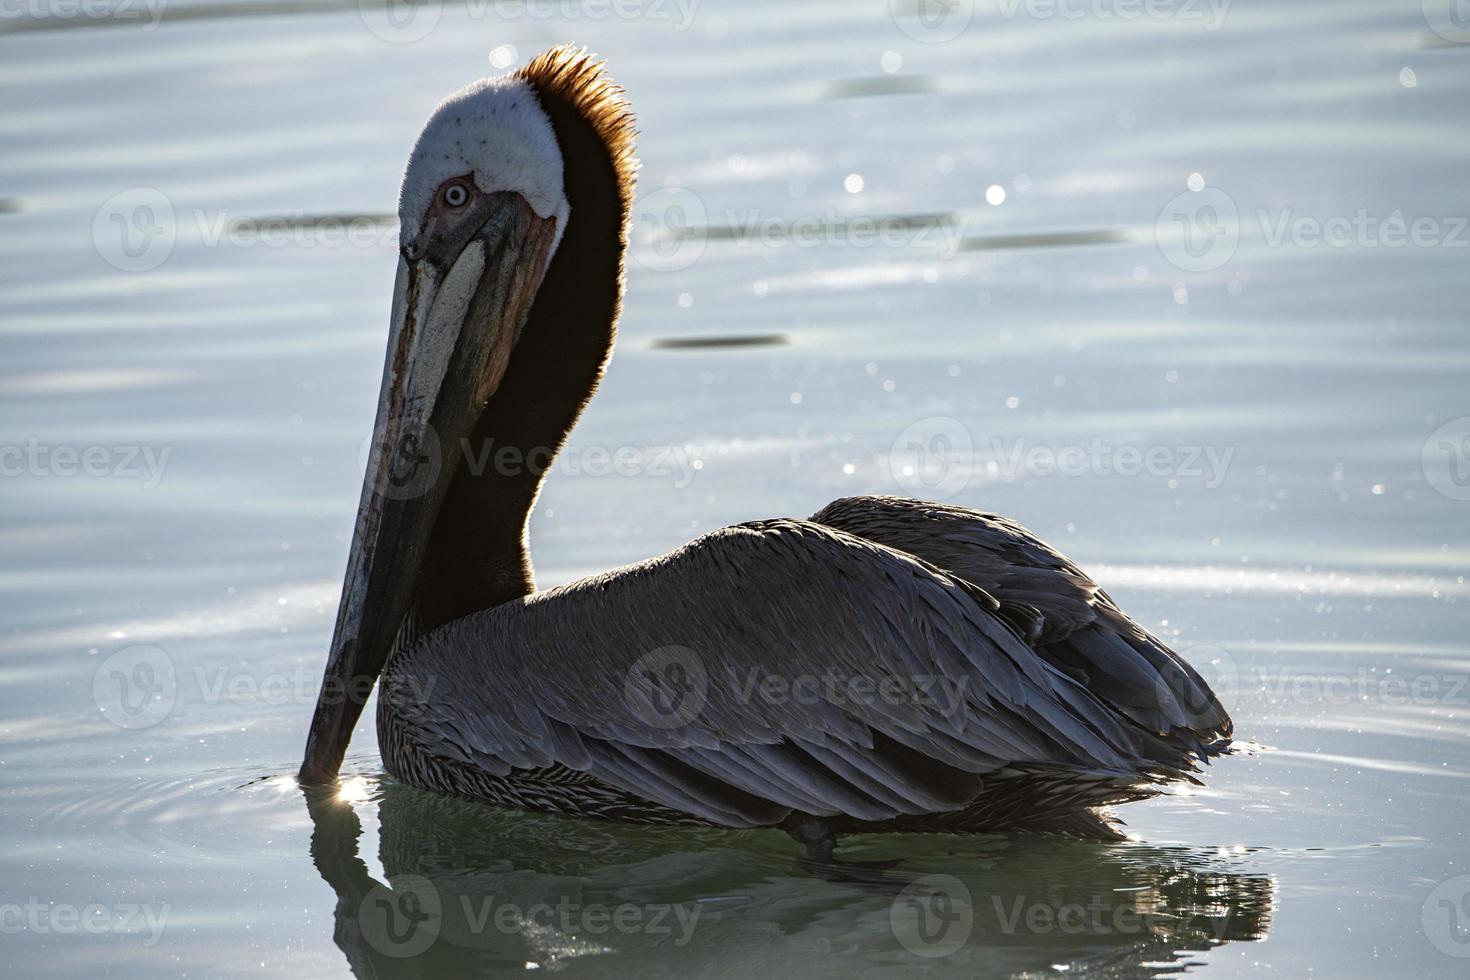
[
  {"x": 472, "y": 890},
  {"x": 885, "y": 665}
]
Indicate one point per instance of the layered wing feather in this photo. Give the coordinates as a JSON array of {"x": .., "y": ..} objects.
[
  {"x": 1079, "y": 628},
  {"x": 765, "y": 669}
]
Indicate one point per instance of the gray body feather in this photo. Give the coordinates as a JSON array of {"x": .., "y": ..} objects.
[
  {"x": 890, "y": 664},
  {"x": 1078, "y": 627}
]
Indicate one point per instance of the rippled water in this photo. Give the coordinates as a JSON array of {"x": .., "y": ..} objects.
[{"x": 1097, "y": 295}]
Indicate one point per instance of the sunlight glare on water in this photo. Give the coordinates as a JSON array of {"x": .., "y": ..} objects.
[{"x": 1184, "y": 292}]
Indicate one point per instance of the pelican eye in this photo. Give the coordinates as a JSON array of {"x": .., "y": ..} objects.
[{"x": 455, "y": 194}]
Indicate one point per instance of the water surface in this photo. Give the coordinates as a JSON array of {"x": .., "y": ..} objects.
[{"x": 1135, "y": 282}]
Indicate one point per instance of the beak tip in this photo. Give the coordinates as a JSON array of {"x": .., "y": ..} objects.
[
  {"x": 325, "y": 746},
  {"x": 316, "y": 771}
]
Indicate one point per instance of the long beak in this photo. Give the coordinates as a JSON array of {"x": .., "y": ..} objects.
[{"x": 459, "y": 303}]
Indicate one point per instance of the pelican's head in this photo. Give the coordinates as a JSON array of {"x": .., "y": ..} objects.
[
  {"x": 488, "y": 151},
  {"x": 483, "y": 208}
]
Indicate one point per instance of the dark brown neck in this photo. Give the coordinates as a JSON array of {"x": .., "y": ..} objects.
[{"x": 479, "y": 555}]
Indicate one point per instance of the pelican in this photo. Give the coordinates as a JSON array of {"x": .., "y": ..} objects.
[{"x": 885, "y": 665}]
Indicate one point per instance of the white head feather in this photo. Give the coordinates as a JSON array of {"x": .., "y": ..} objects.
[{"x": 496, "y": 130}]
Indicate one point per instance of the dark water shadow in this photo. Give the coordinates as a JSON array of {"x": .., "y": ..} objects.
[
  {"x": 1044, "y": 239},
  {"x": 9, "y": 206},
  {"x": 716, "y": 342},
  {"x": 317, "y": 222},
  {"x": 917, "y": 225},
  {"x": 863, "y": 88},
  {"x": 826, "y": 225},
  {"x": 473, "y": 891}
]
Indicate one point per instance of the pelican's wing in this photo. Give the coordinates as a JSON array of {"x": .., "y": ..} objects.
[
  {"x": 1081, "y": 630},
  {"x": 763, "y": 669}
]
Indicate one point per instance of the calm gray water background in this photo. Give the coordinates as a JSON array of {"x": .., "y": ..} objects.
[{"x": 1184, "y": 292}]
